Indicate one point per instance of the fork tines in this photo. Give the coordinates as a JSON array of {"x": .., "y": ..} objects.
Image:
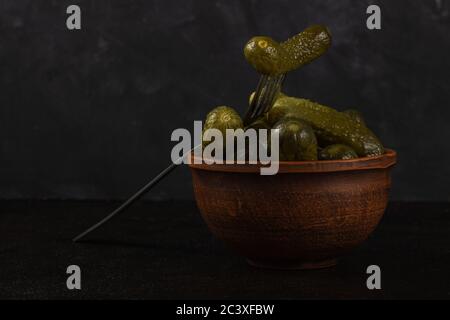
[{"x": 265, "y": 95}]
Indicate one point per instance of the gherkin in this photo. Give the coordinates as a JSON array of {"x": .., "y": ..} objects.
[
  {"x": 222, "y": 118},
  {"x": 355, "y": 115},
  {"x": 330, "y": 125},
  {"x": 337, "y": 152},
  {"x": 296, "y": 140},
  {"x": 269, "y": 57},
  {"x": 306, "y": 46}
]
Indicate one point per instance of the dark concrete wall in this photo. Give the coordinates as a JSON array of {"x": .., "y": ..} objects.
[{"x": 88, "y": 114}]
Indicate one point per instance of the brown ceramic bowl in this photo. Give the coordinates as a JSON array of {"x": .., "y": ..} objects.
[{"x": 306, "y": 216}]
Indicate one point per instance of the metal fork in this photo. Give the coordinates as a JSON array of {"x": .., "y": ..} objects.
[{"x": 265, "y": 95}]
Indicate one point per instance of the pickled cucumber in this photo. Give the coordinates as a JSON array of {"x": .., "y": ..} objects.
[
  {"x": 337, "y": 152},
  {"x": 281, "y": 110},
  {"x": 269, "y": 57},
  {"x": 297, "y": 140},
  {"x": 222, "y": 118},
  {"x": 306, "y": 46},
  {"x": 265, "y": 55},
  {"x": 355, "y": 115},
  {"x": 330, "y": 126}
]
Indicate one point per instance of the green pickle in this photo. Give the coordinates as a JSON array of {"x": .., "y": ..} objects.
[
  {"x": 306, "y": 46},
  {"x": 222, "y": 118},
  {"x": 337, "y": 152},
  {"x": 265, "y": 55},
  {"x": 304, "y": 126},
  {"x": 269, "y": 57},
  {"x": 296, "y": 140},
  {"x": 330, "y": 126},
  {"x": 355, "y": 115}
]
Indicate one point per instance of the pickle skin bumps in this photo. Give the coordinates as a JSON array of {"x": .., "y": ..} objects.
[
  {"x": 337, "y": 152},
  {"x": 222, "y": 118},
  {"x": 269, "y": 57},
  {"x": 297, "y": 140},
  {"x": 330, "y": 125}
]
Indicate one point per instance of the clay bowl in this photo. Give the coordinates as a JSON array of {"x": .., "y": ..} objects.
[{"x": 304, "y": 217}]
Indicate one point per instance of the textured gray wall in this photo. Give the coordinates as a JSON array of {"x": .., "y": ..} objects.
[{"x": 88, "y": 114}]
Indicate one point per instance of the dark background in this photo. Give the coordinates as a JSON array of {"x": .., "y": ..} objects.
[{"x": 88, "y": 114}]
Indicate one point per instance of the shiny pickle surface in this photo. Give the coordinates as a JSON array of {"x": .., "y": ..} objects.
[
  {"x": 330, "y": 125},
  {"x": 269, "y": 57},
  {"x": 337, "y": 152},
  {"x": 355, "y": 115},
  {"x": 222, "y": 118},
  {"x": 296, "y": 140},
  {"x": 306, "y": 46}
]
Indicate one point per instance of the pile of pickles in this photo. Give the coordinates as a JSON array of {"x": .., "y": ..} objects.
[{"x": 307, "y": 130}]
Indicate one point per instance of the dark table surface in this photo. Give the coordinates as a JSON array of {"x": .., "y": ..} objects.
[{"x": 164, "y": 251}]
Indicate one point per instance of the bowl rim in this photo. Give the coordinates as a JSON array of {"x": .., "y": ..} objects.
[{"x": 386, "y": 160}]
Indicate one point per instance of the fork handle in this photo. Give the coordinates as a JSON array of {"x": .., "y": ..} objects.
[{"x": 139, "y": 194}]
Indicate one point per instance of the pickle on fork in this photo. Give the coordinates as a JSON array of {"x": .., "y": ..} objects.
[{"x": 269, "y": 57}]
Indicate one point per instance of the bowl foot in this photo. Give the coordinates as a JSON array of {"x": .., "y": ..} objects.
[{"x": 292, "y": 265}]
